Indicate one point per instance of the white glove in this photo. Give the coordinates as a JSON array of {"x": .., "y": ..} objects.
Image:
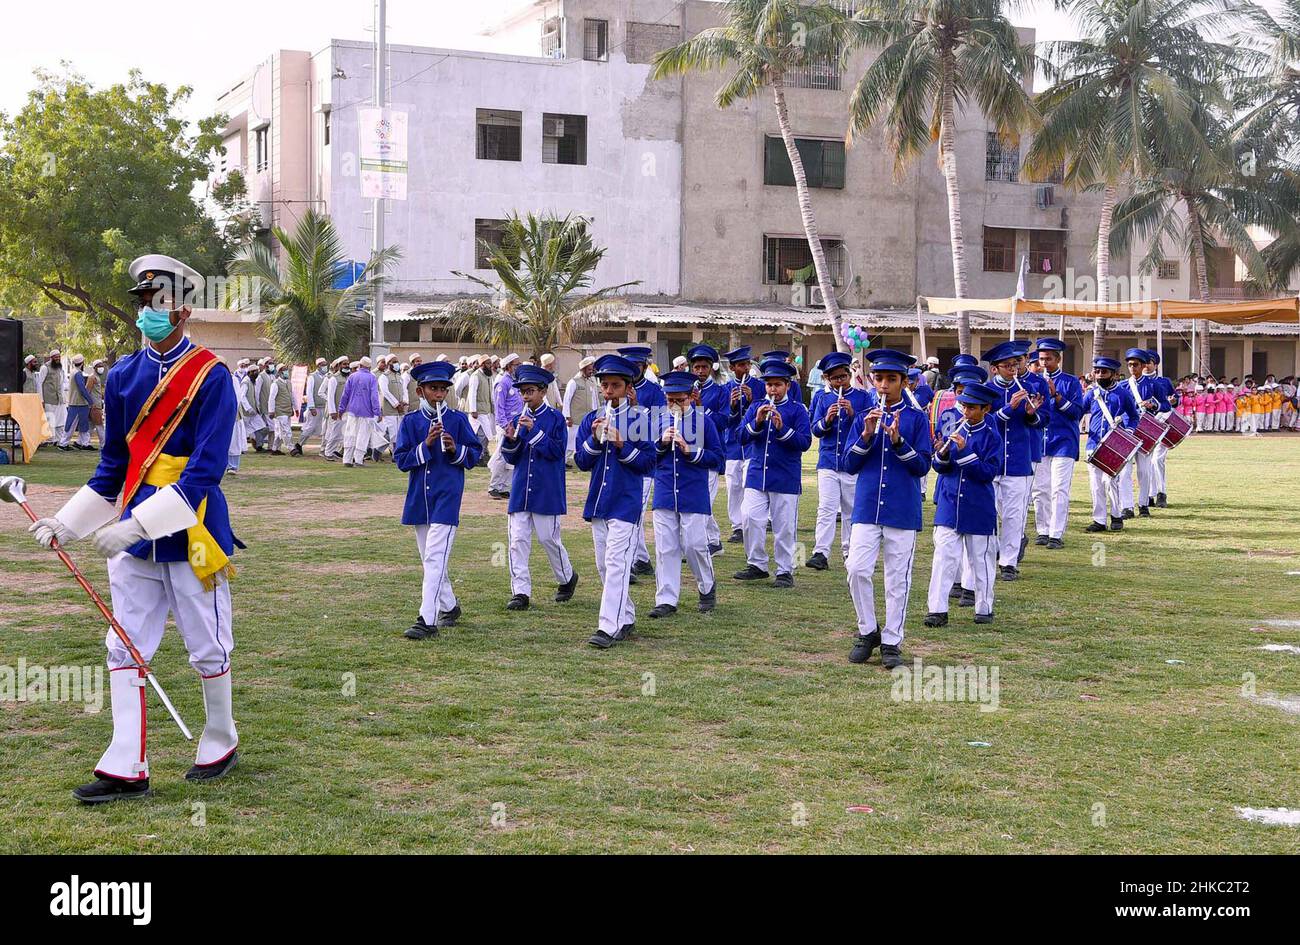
[
  {"x": 48, "y": 530},
  {"x": 118, "y": 537}
]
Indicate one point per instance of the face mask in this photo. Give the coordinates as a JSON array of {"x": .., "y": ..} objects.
[
  {"x": 155, "y": 324},
  {"x": 99, "y": 370},
  {"x": 427, "y": 408}
]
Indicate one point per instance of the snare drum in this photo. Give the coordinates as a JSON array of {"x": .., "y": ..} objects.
[
  {"x": 1150, "y": 431},
  {"x": 1114, "y": 451},
  {"x": 1179, "y": 427}
]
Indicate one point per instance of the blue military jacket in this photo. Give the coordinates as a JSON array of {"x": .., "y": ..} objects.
[
  {"x": 1122, "y": 407},
  {"x": 1016, "y": 429},
  {"x": 537, "y": 484},
  {"x": 776, "y": 460},
  {"x": 966, "y": 501},
  {"x": 617, "y": 475},
  {"x": 1035, "y": 384},
  {"x": 436, "y": 477},
  {"x": 888, "y": 490},
  {"x": 1063, "y": 417},
  {"x": 649, "y": 394},
  {"x": 203, "y": 435},
  {"x": 682, "y": 479},
  {"x": 733, "y": 420},
  {"x": 834, "y": 438}
]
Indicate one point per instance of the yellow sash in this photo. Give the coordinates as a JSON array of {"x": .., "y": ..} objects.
[{"x": 205, "y": 555}]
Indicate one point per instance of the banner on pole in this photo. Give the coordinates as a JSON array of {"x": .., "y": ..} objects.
[{"x": 383, "y": 152}]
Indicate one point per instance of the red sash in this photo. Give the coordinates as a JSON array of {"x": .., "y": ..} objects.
[{"x": 162, "y": 413}]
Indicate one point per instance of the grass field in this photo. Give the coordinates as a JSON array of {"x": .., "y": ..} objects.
[{"x": 753, "y": 733}]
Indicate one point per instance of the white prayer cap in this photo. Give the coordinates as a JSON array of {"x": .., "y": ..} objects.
[
  {"x": 98, "y": 361},
  {"x": 588, "y": 361},
  {"x": 263, "y": 360},
  {"x": 78, "y": 359},
  {"x": 464, "y": 359},
  {"x": 341, "y": 359},
  {"x": 679, "y": 361},
  {"x": 931, "y": 360},
  {"x": 547, "y": 359},
  {"x": 365, "y": 361},
  {"x": 416, "y": 357},
  {"x": 441, "y": 357},
  {"x": 30, "y": 358},
  {"x": 242, "y": 362},
  {"x": 320, "y": 361},
  {"x": 354, "y": 365},
  {"x": 509, "y": 359},
  {"x": 55, "y": 352}
]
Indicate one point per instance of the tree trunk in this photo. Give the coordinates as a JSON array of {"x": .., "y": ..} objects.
[
  {"x": 1103, "y": 263},
  {"x": 1197, "y": 233},
  {"x": 806, "y": 212},
  {"x": 948, "y": 161}
]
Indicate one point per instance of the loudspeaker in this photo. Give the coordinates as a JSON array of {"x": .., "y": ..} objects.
[{"x": 11, "y": 356}]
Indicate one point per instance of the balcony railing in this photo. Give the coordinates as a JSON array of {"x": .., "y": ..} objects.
[
  {"x": 1046, "y": 262},
  {"x": 999, "y": 259},
  {"x": 1237, "y": 293}
]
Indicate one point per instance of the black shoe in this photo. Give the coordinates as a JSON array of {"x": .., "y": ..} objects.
[
  {"x": 218, "y": 769},
  {"x": 864, "y": 646},
  {"x": 715, "y": 548},
  {"x": 447, "y": 618},
  {"x": 1116, "y": 523},
  {"x": 277, "y": 452},
  {"x": 750, "y": 573},
  {"x": 1008, "y": 573},
  {"x": 983, "y": 618},
  {"x": 297, "y": 450},
  {"x": 1024, "y": 543},
  {"x": 1055, "y": 544},
  {"x": 936, "y": 620},
  {"x": 662, "y": 610},
  {"x": 103, "y": 790},
  {"x": 817, "y": 562},
  {"x": 890, "y": 655},
  {"x": 601, "y": 640},
  {"x": 737, "y": 536},
  {"x": 1162, "y": 501},
  {"x": 64, "y": 449},
  {"x": 420, "y": 630},
  {"x": 1095, "y": 527},
  {"x": 1041, "y": 540},
  {"x": 625, "y": 632},
  {"x": 1144, "y": 511},
  {"x": 710, "y": 600},
  {"x": 769, "y": 526},
  {"x": 967, "y": 598},
  {"x": 518, "y": 602},
  {"x": 954, "y": 592},
  {"x": 643, "y": 567},
  {"x": 783, "y": 581},
  {"x": 1128, "y": 513},
  {"x": 631, "y": 579},
  {"x": 498, "y": 494},
  {"x": 565, "y": 590}
]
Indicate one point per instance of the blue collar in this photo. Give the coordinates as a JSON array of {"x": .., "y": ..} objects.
[
  {"x": 997, "y": 379},
  {"x": 169, "y": 357},
  {"x": 976, "y": 427}
]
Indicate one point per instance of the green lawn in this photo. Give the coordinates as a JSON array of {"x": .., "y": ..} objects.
[{"x": 508, "y": 734}]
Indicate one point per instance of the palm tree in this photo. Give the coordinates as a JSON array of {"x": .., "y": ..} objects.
[
  {"x": 1199, "y": 196},
  {"x": 1131, "y": 79},
  {"x": 763, "y": 42},
  {"x": 306, "y": 316},
  {"x": 934, "y": 57},
  {"x": 541, "y": 264}
]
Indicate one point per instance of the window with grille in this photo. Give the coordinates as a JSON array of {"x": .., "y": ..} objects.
[
  {"x": 823, "y": 162},
  {"x": 1168, "y": 269},
  {"x": 1046, "y": 251},
  {"x": 999, "y": 249},
  {"x": 489, "y": 235},
  {"x": 1001, "y": 158},
  {"x": 784, "y": 257},
  {"x": 564, "y": 139},
  {"x": 500, "y": 135},
  {"x": 326, "y": 127},
  {"x": 595, "y": 40},
  {"x": 262, "y": 147},
  {"x": 820, "y": 74}
]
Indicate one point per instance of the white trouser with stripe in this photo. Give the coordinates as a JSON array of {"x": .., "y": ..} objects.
[
  {"x": 1105, "y": 488},
  {"x": 434, "y": 543},
  {"x": 615, "y": 542},
  {"x": 865, "y": 545},
  {"x": 736, "y": 470},
  {"x": 714, "y": 532},
  {"x": 834, "y": 496},
  {"x": 782, "y": 510},
  {"x": 949, "y": 547},
  {"x": 1142, "y": 461},
  {"x": 522, "y": 526},
  {"x": 1052, "y": 481},
  {"x": 1013, "y": 507},
  {"x": 642, "y": 551},
  {"x": 677, "y": 536},
  {"x": 144, "y": 593}
]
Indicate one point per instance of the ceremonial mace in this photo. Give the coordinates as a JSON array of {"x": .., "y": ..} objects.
[{"x": 13, "y": 489}]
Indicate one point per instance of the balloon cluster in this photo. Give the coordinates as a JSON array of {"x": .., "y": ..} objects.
[{"x": 855, "y": 337}]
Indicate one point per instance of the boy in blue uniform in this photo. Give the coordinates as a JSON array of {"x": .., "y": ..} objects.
[
  {"x": 965, "y": 370},
  {"x": 740, "y": 392},
  {"x": 1016, "y": 421},
  {"x": 1166, "y": 396},
  {"x": 616, "y": 445},
  {"x": 712, "y": 397},
  {"x": 1033, "y": 382},
  {"x": 1142, "y": 386},
  {"x": 968, "y": 461},
  {"x": 534, "y": 445},
  {"x": 1064, "y": 409},
  {"x": 887, "y": 453},
  {"x": 649, "y": 396},
  {"x": 796, "y": 391},
  {"x": 778, "y": 432},
  {"x": 834, "y": 412},
  {"x": 687, "y": 451},
  {"x": 1109, "y": 404},
  {"x": 435, "y": 446}
]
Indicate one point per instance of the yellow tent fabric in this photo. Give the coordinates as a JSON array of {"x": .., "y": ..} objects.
[
  {"x": 1284, "y": 310},
  {"x": 28, "y": 410}
]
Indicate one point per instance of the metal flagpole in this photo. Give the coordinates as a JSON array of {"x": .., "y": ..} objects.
[
  {"x": 1196, "y": 365},
  {"x": 920, "y": 324},
  {"x": 377, "y": 345}
]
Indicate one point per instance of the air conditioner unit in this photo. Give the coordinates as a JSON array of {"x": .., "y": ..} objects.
[
  {"x": 553, "y": 127},
  {"x": 1044, "y": 196}
]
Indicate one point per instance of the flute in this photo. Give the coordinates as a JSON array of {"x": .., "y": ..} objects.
[
  {"x": 962, "y": 427},
  {"x": 601, "y": 434}
]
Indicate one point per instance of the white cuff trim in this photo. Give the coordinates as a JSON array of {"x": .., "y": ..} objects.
[
  {"x": 587, "y": 446},
  {"x": 789, "y": 432},
  {"x": 750, "y": 428},
  {"x": 86, "y": 511},
  {"x": 968, "y": 458},
  {"x": 420, "y": 456},
  {"x": 906, "y": 456},
  {"x": 857, "y": 448},
  {"x": 538, "y": 438},
  {"x": 164, "y": 513},
  {"x": 630, "y": 456},
  {"x": 460, "y": 456}
]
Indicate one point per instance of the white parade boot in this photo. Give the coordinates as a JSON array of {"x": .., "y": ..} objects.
[
  {"x": 216, "y": 755},
  {"x": 125, "y": 758}
]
